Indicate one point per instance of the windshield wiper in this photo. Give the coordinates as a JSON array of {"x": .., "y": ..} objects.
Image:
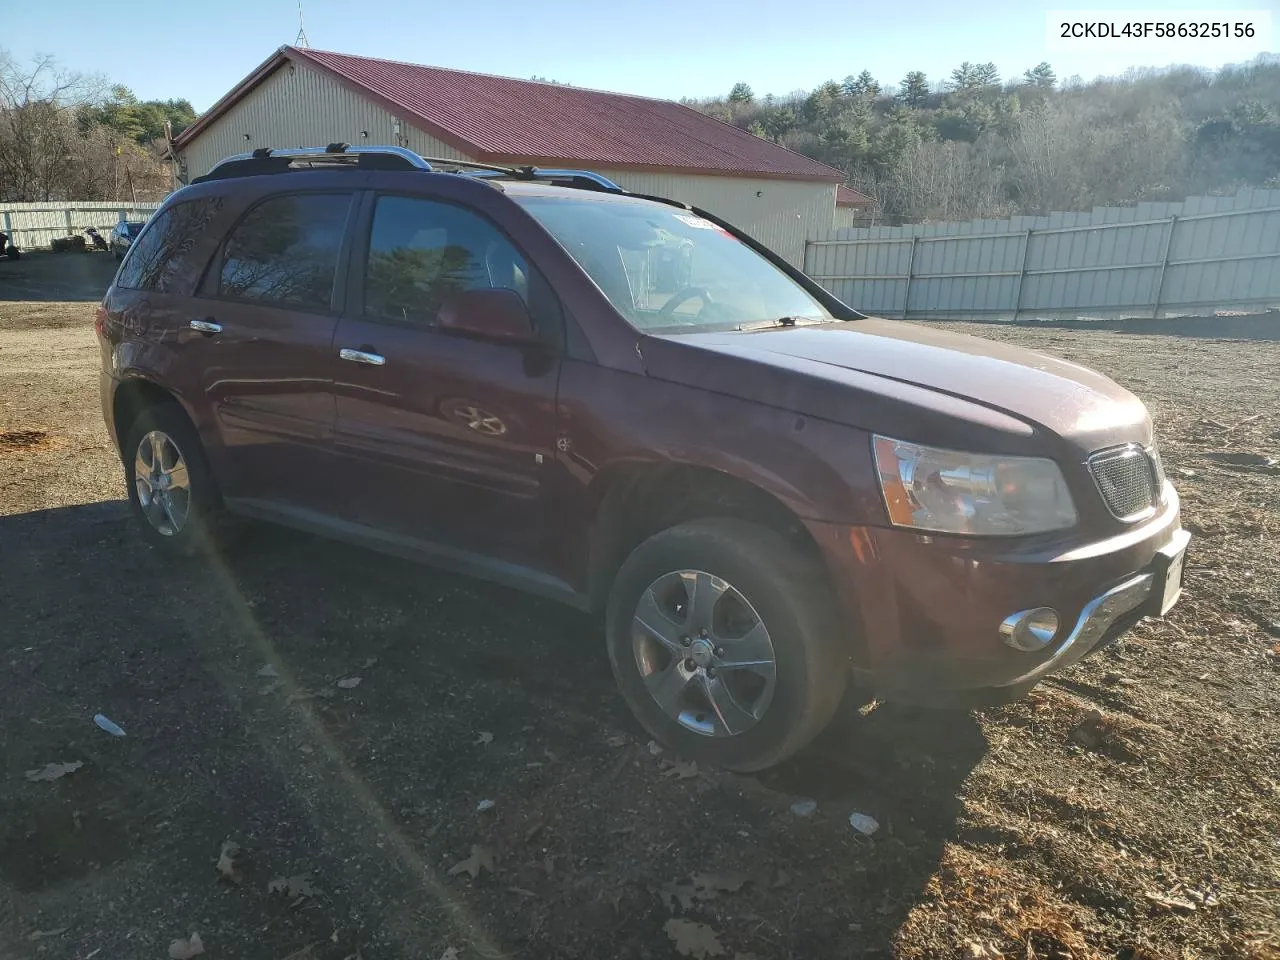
[{"x": 780, "y": 322}]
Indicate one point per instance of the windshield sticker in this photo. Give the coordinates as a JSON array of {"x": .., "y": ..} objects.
[{"x": 696, "y": 222}]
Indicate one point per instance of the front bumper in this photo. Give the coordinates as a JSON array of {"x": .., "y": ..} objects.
[{"x": 925, "y": 610}]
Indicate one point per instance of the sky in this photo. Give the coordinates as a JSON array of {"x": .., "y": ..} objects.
[{"x": 660, "y": 48}]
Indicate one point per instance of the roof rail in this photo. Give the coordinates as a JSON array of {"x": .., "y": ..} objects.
[
  {"x": 577, "y": 178},
  {"x": 270, "y": 160}
]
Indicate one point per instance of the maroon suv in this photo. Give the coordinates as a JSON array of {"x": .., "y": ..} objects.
[{"x": 628, "y": 405}]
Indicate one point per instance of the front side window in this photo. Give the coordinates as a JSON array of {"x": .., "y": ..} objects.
[
  {"x": 285, "y": 251},
  {"x": 664, "y": 268},
  {"x": 421, "y": 252},
  {"x": 156, "y": 258}
]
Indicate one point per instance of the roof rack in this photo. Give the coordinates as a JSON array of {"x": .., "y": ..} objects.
[
  {"x": 267, "y": 160},
  {"x": 586, "y": 179},
  {"x": 270, "y": 160}
]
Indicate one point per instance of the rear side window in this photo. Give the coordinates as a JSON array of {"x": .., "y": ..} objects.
[
  {"x": 421, "y": 252},
  {"x": 285, "y": 251},
  {"x": 156, "y": 258}
]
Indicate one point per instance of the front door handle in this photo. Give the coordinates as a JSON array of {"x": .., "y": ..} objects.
[
  {"x": 205, "y": 326},
  {"x": 361, "y": 356}
]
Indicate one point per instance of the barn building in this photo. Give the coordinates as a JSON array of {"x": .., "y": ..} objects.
[
  {"x": 304, "y": 97},
  {"x": 853, "y": 208}
]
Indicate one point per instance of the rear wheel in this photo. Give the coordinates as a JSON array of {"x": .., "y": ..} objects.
[
  {"x": 724, "y": 641},
  {"x": 170, "y": 489}
]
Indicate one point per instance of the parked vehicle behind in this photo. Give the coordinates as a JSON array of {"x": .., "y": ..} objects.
[
  {"x": 628, "y": 405},
  {"x": 123, "y": 234}
]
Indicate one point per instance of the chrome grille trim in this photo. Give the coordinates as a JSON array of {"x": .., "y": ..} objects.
[{"x": 1129, "y": 480}]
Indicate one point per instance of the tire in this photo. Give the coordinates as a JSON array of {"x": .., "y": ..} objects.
[
  {"x": 767, "y": 581},
  {"x": 187, "y": 526}
]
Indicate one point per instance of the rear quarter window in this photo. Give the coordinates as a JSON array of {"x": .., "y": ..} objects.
[{"x": 156, "y": 259}]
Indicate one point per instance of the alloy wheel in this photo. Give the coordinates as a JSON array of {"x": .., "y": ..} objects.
[
  {"x": 163, "y": 483},
  {"x": 704, "y": 653}
]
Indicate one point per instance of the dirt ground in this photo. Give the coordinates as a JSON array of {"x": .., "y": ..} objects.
[{"x": 1129, "y": 808}]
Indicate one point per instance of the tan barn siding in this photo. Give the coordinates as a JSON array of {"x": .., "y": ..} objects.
[
  {"x": 786, "y": 213},
  {"x": 300, "y": 107}
]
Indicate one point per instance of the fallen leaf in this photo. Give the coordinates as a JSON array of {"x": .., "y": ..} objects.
[
  {"x": 52, "y": 771},
  {"x": 521, "y": 891},
  {"x": 616, "y": 741},
  {"x": 186, "y": 949},
  {"x": 450, "y": 953},
  {"x": 681, "y": 770},
  {"x": 695, "y": 940},
  {"x": 268, "y": 670},
  {"x": 297, "y": 886},
  {"x": 480, "y": 859},
  {"x": 1175, "y": 904},
  {"x": 485, "y": 805},
  {"x": 484, "y": 739},
  {"x": 227, "y": 861},
  {"x": 983, "y": 951},
  {"x": 722, "y": 882},
  {"x": 42, "y": 934},
  {"x": 1276, "y": 649},
  {"x": 348, "y": 683},
  {"x": 701, "y": 887},
  {"x": 683, "y": 894},
  {"x": 368, "y": 663}
]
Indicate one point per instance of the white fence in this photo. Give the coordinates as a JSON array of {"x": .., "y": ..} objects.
[
  {"x": 33, "y": 226},
  {"x": 1153, "y": 259}
]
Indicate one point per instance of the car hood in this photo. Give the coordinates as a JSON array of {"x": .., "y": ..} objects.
[{"x": 924, "y": 383}]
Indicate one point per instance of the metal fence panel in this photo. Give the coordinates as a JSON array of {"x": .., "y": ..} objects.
[
  {"x": 32, "y": 226},
  {"x": 1151, "y": 259}
]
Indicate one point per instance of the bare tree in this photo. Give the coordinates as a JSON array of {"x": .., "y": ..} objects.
[
  {"x": 37, "y": 128},
  {"x": 951, "y": 180},
  {"x": 52, "y": 149}
]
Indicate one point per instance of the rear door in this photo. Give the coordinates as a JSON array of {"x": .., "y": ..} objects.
[
  {"x": 444, "y": 438},
  {"x": 261, "y": 331}
]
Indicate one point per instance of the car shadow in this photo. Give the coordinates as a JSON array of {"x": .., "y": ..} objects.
[
  {"x": 40, "y": 276},
  {"x": 341, "y": 715}
]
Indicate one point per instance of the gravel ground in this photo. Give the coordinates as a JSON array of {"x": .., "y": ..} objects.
[{"x": 1129, "y": 808}]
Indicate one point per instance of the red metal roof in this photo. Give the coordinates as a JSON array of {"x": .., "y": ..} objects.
[
  {"x": 500, "y": 118},
  {"x": 849, "y": 197}
]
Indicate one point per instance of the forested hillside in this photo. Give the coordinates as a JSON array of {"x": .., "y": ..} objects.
[{"x": 973, "y": 145}]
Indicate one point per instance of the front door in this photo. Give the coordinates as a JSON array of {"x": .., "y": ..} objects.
[
  {"x": 263, "y": 332},
  {"x": 444, "y": 438}
]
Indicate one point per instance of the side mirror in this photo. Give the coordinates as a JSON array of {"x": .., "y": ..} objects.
[{"x": 497, "y": 315}]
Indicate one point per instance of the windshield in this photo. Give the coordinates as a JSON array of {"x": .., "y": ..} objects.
[{"x": 667, "y": 269}]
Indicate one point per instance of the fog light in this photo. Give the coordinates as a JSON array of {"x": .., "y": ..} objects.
[{"x": 1030, "y": 630}]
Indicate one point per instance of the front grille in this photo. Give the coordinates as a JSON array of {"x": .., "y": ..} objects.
[{"x": 1127, "y": 478}]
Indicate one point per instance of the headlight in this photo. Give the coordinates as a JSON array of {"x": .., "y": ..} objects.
[{"x": 949, "y": 491}]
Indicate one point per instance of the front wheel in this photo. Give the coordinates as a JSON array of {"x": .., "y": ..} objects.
[
  {"x": 171, "y": 491},
  {"x": 725, "y": 644}
]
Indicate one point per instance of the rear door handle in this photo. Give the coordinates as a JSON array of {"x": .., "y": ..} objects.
[
  {"x": 360, "y": 356},
  {"x": 205, "y": 326}
]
